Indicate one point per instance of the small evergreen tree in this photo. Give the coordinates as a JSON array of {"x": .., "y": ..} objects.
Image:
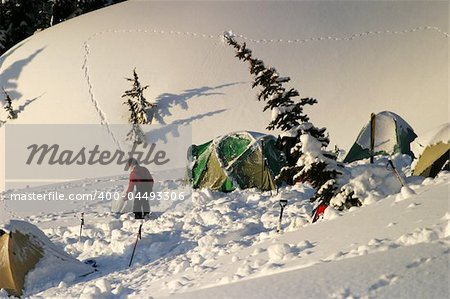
[
  {"x": 136, "y": 135},
  {"x": 12, "y": 114},
  {"x": 138, "y": 107},
  {"x": 303, "y": 144},
  {"x": 137, "y": 102}
]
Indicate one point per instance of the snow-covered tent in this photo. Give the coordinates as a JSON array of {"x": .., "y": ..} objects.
[
  {"x": 241, "y": 159},
  {"x": 26, "y": 254},
  {"x": 433, "y": 152},
  {"x": 392, "y": 134}
]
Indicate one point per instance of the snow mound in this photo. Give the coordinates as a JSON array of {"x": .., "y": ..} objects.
[{"x": 278, "y": 251}]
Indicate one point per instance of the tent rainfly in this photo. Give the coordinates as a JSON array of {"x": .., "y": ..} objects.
[
  {"x": 241, "y": 159},
  {"x": 27, "y": 254},
  {"x": 433, "y": 152},
  {"x": 389, "y": 134}
]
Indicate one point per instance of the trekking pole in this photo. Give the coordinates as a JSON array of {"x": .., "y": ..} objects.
[
  {"x": 397, "y": 174},
  {"x": 138, "y": 237},
  {"x": 283, "y": 204},
  {"x": 81, "y": 226},
  {"x": 407, "y": 191}
]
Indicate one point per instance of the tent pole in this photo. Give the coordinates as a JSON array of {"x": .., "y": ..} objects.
[
  {"x": 372, "y": 136},
  {"x": 262, "y": 160}
]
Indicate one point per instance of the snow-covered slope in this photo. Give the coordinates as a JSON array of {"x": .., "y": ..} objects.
[
  {"x": 418, "y": 271},
  {"x": 379, "y": 251},
  {"x": 355, "y": 58}
]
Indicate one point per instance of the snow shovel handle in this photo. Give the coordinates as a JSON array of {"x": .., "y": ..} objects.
[{"x": 283, "y": 204}]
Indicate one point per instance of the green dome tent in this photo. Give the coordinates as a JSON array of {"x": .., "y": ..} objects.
[
  {"x": 237, "y": 160},
  {"x": 392, "y": 134}
]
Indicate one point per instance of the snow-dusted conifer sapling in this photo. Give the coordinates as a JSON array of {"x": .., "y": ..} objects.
[
  {"x": 138, "y": 107},
  {"x": 303, "y": 144},
  {"x": 12, "y": 114}
]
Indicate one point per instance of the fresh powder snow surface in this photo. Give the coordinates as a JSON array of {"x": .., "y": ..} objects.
[
  {"x": 354, "y": 57},
  {"x": 221, "y": 245}
]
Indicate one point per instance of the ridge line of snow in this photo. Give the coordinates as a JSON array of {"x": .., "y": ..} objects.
[
  {"x": 350, "y": 37},
  {"x": 267, "y": 41}
]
